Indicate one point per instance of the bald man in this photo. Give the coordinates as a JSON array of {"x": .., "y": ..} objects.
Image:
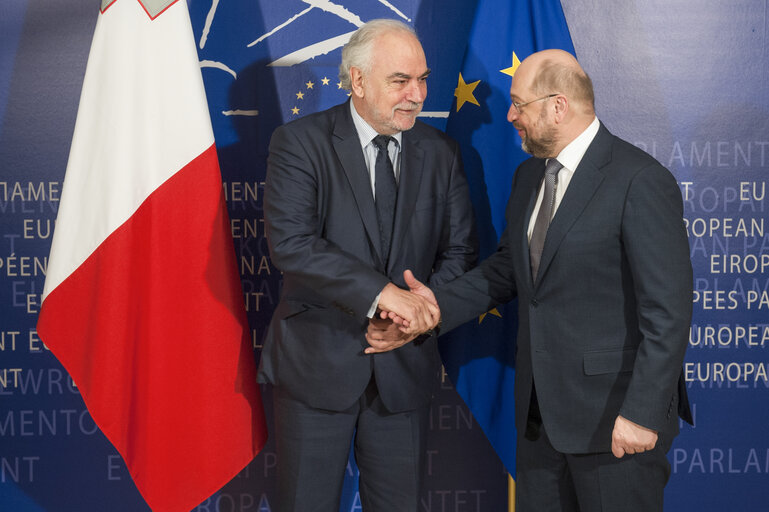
[{"x": 596, "y": 251}]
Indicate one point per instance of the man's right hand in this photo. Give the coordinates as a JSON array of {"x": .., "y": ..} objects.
[
  {"x": 417, "y": 291},
  {"x": 419, "y": 305}
]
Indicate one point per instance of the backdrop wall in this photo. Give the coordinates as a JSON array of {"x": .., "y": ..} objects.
[{"x": 688, "y": 81}]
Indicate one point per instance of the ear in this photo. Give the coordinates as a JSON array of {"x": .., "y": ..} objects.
[
  {"x": 561, "y": 107},
  {"x": 356, "y": 81}
]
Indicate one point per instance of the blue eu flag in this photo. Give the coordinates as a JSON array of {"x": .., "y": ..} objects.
[{"x": 480, "y": 356}]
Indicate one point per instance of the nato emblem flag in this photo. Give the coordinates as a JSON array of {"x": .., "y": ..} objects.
[{"x": 480, "y": 356}]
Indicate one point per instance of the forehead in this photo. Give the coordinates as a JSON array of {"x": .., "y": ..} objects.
[
  {"x": 398, "y": 51},
  {"x": 521, "y": 83}
]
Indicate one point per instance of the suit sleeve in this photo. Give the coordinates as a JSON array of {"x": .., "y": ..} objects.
[
  {"x": 294, "y": 231},
  {"x": 486, "y": 286},
  {"x": 657, "y": 250},
  {"x": 458, "y": 250}
]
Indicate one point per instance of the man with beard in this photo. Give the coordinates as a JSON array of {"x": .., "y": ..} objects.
[
  {"x": 354, "y": 196},
  {"x": 596, "y": 251}
]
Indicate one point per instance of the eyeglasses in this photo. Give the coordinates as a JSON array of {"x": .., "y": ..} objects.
[{"x": 519, "y": 106}]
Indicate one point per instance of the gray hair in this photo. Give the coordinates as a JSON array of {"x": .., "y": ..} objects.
[{"x": 357, "y": 51}]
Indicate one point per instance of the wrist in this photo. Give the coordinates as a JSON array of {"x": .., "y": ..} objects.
[{"x": 429, "y": 333}]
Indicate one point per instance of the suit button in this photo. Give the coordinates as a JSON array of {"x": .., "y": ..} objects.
[{"x": 534, "y": 302}]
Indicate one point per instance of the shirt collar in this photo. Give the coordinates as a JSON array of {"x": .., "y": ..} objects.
[{"x": 365, "y": 132}]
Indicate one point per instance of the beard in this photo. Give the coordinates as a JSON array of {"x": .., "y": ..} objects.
[
  {"x": 401, "y": 122},
  {"x": 544, "y": 145}
]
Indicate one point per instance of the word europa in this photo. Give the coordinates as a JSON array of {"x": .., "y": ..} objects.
[{"x": 726, "y": 372}]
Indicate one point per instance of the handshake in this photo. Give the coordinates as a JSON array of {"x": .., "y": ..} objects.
[{"x": 402, "y": 315}]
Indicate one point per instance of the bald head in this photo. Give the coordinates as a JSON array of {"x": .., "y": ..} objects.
[
  {"x": 557, "y": 71},
  {"x": 552, "y": 102}
]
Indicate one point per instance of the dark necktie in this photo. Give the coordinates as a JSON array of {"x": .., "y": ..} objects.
[
  {"x": 538, "y": 234},
  {"x": 386, "y": 192}
]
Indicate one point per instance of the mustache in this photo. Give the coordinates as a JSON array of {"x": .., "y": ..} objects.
[{"x": 408, "y": 105}]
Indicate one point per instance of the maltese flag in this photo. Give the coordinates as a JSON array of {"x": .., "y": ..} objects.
[{"x": 142, "y": 301}]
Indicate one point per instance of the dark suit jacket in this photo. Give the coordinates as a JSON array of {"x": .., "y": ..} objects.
[
  {"x": 323, "y": 235},
  {"x": 604, "y": 329}
]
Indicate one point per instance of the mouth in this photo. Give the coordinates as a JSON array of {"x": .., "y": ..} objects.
[{"x": 409, "y": 110}]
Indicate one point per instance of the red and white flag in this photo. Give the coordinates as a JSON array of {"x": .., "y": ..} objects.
[{"x": 142, "y": 302}]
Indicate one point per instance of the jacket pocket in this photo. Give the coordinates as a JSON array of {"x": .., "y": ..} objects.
[{"x": 609, "y": 361}]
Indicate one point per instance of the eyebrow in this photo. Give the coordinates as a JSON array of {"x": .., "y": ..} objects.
[{"x": 406, "y": 76}]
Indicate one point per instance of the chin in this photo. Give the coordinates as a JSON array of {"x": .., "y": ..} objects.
[
  {"x": 406, "y": 118},
  {"x": 406, "y": 124}
]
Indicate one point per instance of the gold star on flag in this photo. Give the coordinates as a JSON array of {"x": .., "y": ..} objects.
[
  {"x": 325, "y": 80},
  {"x": 494, "y": 312},
  {"x": 464, "y": 92},
  {"x": 512, "y": 69},
  {"x": 339, "y": 84},
  {"x": 300, "y": 95},
  {"x": 309, "y": 85},
  {"x": 295, "y": 111}
]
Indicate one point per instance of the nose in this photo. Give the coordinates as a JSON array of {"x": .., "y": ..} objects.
[
  {"x": 417, "y": 91},
  {"x": 512, "y": 113}
]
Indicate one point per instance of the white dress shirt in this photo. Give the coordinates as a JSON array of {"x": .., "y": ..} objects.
[
  {"x": 366, "y": 136},
  {"x": 569, "y": 157}
]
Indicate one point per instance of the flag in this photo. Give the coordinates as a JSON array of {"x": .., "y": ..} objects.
[
  {"x": 480, "y": 356},
  {"x": 142, "y": 301}
]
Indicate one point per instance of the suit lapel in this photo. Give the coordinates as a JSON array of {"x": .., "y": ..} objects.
[
  {"x": 350, "y": 154},
  {"x": 412, "y": 163},
  {"x": 586, "y": 180}
]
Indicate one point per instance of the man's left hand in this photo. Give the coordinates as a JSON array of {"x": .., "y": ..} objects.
[
  {"x": 628, "y": 437},
  {"x": 384, "y": 335}
]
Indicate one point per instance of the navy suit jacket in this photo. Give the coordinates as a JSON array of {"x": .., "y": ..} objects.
[
  {"x": 323, "y": 235},
  {"x": 604, "y": 329}
]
